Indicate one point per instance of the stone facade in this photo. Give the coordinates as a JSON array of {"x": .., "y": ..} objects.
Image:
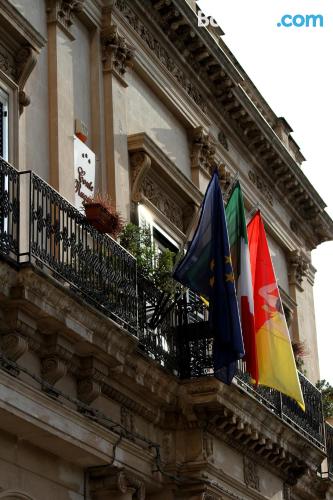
[{"x": 85, "y": 412}]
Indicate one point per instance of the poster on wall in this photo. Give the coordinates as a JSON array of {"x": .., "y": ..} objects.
[{"x": 84, "y": 172}]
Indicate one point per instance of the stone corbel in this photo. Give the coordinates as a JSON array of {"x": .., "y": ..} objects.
[
  {"x": 92, "y": 374},
  {"x": 140, "y": 165},
  {"x": 117, "y": 55},
  {"x": 298, "y": 268},
  {"x": 62, "y": 12},
  {"x": 116, "y": 483},
  {"x": 13, "y": 345},
  {"x": 203, "y": 150},
  {"x": 26, "y": 59},
  {"x": 57, "y": 355}
]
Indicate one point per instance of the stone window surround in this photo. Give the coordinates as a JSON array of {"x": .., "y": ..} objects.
[{"x": 158, "y": 183}]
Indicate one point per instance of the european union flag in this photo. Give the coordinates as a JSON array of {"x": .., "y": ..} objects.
[{"x": 207, "y": 270}]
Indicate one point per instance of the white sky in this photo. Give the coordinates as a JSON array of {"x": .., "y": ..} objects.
[{"x": 293, "y": 70}]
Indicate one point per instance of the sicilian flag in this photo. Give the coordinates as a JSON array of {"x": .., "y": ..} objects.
[
  {"x": 276, "y": 362},
  {"x": 240, "y": 256},
  {"x": 207, "y": 270}
]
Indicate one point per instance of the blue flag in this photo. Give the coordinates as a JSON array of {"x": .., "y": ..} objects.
[{"x": 207, "y": 270}]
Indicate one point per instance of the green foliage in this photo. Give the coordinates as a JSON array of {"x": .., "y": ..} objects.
[
  {"x": 154, "y": 266},
  {"x": 327, "y": 395}
]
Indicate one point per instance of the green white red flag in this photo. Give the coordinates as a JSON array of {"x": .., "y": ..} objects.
[{"x": 240, "y": 257}]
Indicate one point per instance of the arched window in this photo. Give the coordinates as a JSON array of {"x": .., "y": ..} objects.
[{"x": 14, "y": 495}]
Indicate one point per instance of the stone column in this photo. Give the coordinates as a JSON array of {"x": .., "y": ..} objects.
[
  {"x": 60, "y": 15},
  {"x": 117, "y": 57}
]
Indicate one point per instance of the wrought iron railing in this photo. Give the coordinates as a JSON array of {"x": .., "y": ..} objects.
[
  {"x": 329, "y": 449},
  {"x": 9, "y": 211},
  {"x": 40, "y": 227},
  {"x": 196, "y": 351}
]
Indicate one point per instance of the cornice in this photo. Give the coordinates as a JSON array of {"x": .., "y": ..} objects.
[
  {"x": 223, "y": 82},
  {"x": 18, "y": 25}
]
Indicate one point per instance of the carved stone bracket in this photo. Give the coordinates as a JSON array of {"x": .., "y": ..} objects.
[
  {"x": 262, "y": 186},
  {"x": 92, "y": 374},
  {"x": 203, "y": 150},
  {"x": 14, "y": 345},
  {"x": 298, "y": 268},
  {"x": 117, "y": 55},
  {"x": 62, "y": 12},
  {"x": 251, "y": 476},
  {"x": 57, "y": 355},
  {"x": 114, "y": 482},
  {"x": 140, "y": 163},
  {"x": 26, "y": 60}
]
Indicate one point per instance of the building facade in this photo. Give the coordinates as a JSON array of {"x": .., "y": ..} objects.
[{"x": 98, "y": 398}]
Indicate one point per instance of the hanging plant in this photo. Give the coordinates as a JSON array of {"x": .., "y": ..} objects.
[{"x": 102, "y": 214}]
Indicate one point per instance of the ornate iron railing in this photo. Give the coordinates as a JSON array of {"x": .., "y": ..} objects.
[
  {"x": 39, "y": 226},
  {"x": 196, "y": 344},
  {"x": 9, "y": 211},
  {"x": 329, "y": 449}
]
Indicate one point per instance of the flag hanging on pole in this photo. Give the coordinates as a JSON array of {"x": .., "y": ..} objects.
[
  {"x": 207, "y": 270},
  {"x": 240, "y": 257},
  {"x": 276, "y": 362}
]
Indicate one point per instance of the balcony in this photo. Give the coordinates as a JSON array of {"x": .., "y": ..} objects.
[{"x": 39, "y": 228}]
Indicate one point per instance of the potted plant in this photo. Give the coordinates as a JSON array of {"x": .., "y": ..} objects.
[{"x": 102, "y": 214}]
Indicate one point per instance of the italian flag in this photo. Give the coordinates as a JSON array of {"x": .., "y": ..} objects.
[{"x": 241, "y": 263}]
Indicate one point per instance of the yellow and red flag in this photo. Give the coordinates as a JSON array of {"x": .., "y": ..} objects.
[{"x": 275, "y": 358}]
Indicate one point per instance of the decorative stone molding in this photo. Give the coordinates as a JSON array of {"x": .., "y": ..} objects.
[
  {"x": 7, "y": 63},
  {"x": 14, "y": 345},
  {"x": 26, "y": 60},
  {"x": 203, "y": 150},
  {"x": 156, "y": 180},
  {"x": 62, "y": 12},
  {"x": 92, "y": 374},
  {"x": 251, "y": 476},
  {"x": 286, "y": 492},
  {"x": 163, "y": 202},
  {"x": 117, "y": 55},
  {"x": 208, "y": 447},
  {"x": 262, "y": 186},
  {"x": 140, "y": 163},
  {"x": 223, "y": 140},
  {"x": 57, "y": 356},
  {"x": 298, "y": 268},
  {"x": 224, "y": 177},
  {"x": 112, "y": 482},
  {"x": 161, "y": 53},
  {"x": 127, "y": 420}
]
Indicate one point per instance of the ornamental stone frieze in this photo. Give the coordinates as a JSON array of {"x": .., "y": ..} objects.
[
  {"x": 157, "y": 181},
  {"x": 251, "y": 476},
  {"x": 262, "y": 186},
  {"x": 63, "y": 12}
]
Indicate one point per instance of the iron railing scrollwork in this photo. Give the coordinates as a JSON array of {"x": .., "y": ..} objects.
[
  {"x": 171, "y": 329},
  {"x": 9, "y": 211},
  {"x": 95, "y": 265},
  {"x": 329, "y": 449}
]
